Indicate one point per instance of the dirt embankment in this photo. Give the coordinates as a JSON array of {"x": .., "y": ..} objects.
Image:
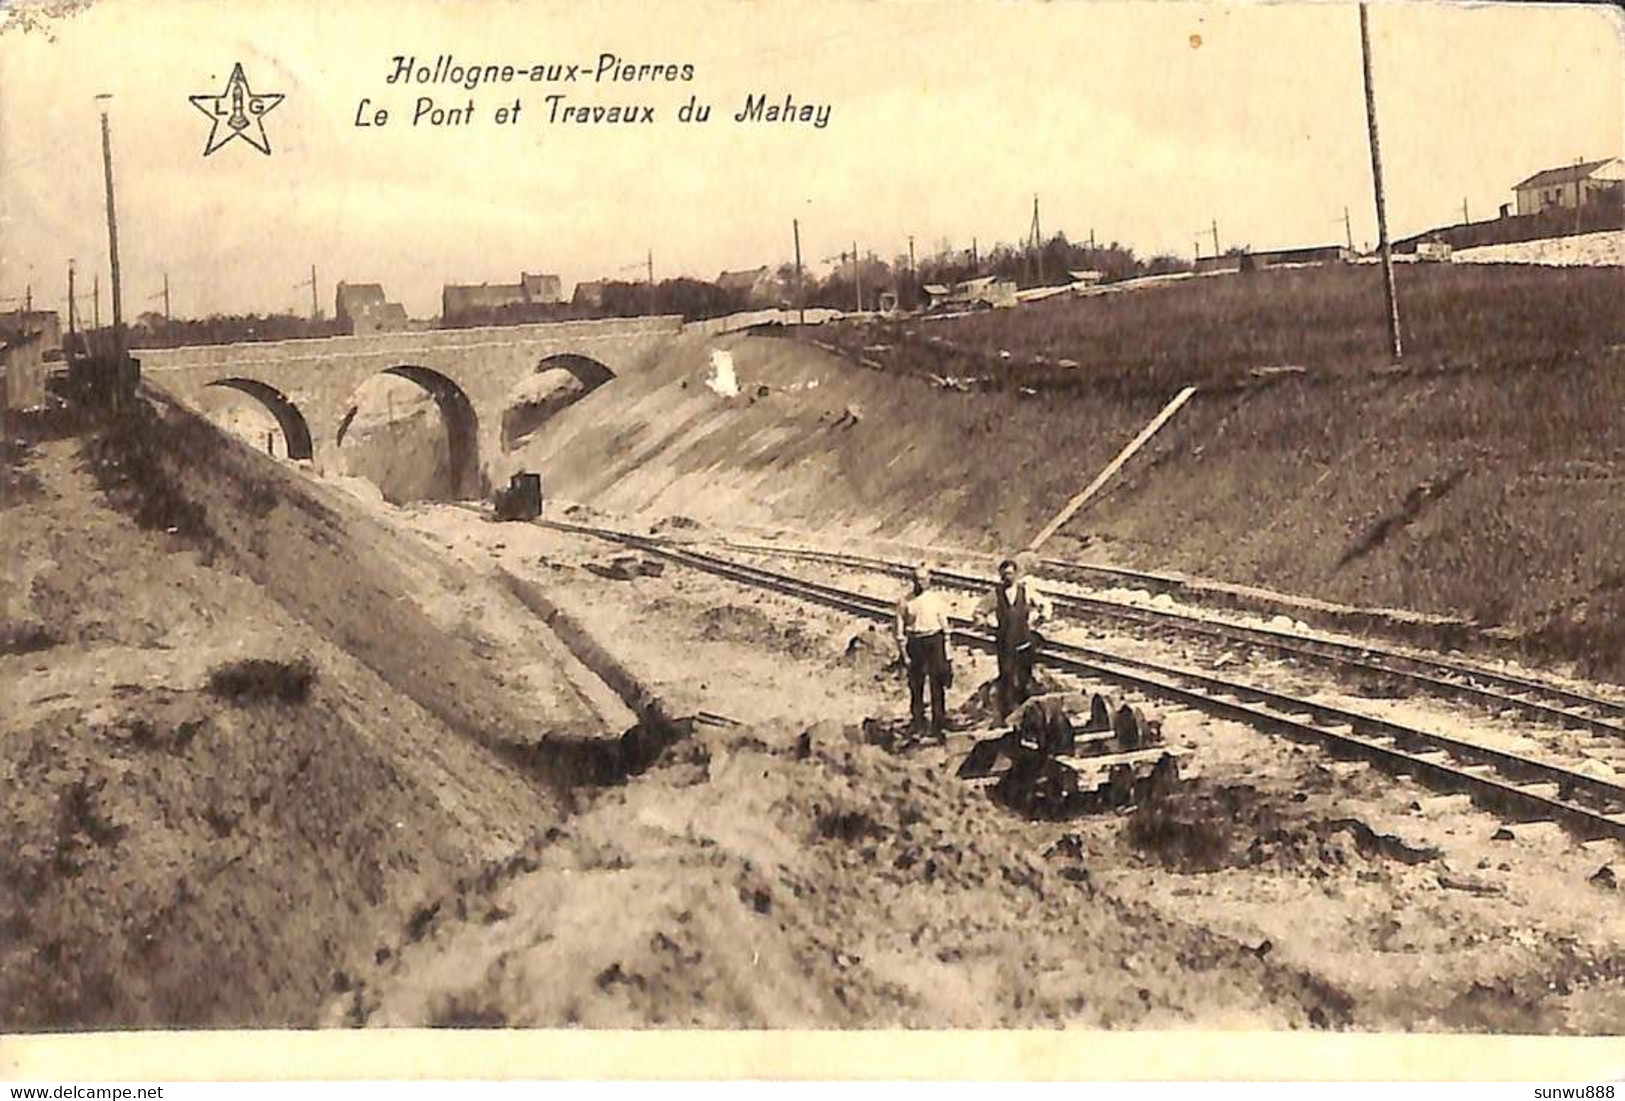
[
  {"x": 247, "y": 734},
  {"x": 1492, "y": 494}
]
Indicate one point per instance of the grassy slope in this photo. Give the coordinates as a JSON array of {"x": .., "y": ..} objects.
[
  {"x": 1330, "y": 319},
  {"x": 1485, "y": 480}
]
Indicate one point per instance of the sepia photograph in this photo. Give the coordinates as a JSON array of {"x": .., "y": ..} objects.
[{"x": 926, "y": 515}]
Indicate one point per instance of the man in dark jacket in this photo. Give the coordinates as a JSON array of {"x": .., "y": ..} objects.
[{"x": 1013, "y": 609}]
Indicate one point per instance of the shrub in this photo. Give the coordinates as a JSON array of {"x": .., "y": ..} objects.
[{"x": 258, "y": 679}]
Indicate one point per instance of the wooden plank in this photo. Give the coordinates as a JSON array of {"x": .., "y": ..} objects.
[{"x": 1112, "y": 468}]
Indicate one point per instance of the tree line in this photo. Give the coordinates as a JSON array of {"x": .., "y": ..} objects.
[{"x": 698, "y": 299}]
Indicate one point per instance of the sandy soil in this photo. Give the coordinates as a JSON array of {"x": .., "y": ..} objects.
[
  {"x": 185, "y": 854},
  {"x": 755, "y": 880},
  {"x": 393, "y": 848}
]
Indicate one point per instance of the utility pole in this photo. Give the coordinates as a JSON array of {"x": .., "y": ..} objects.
[
  {"x": 975, "y": 256},
  {"x": 96, "y": 300},
  {"x": 1394, "y": 344},
  {"x": 1464, "y": 218},
  {"x": 801, "y": 299},
  {"x": 1348, "y": 228},
  {"x": 1198, "y": 248},
  {"x": 1215, "y": 237},
  {"x": 164, "y": 294},
  {"x": 315, "y": 307},
  {"x": 112, "y": 247},
  {"x": 1038, "y": 241},
  {"x": 73, "y": 313},
  {"x": 650, "y": 259},
  {"x": 857, "y": 275},
  {"x": 913, "y": 277},
  {"x": 1578, "y": 201},
  {"x": 28, "y": 298}
]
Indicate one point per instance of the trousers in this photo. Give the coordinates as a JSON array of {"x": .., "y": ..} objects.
[
  {"x": 928, "y": 661},
  {"x": 1015, "y": 676}
]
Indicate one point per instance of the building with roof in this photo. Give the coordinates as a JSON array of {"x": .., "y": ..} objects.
[
  {"x": 589, "y": 294},
  {"x": 1571, "y": 186},
  {"x": 463, "y": 302},
  {"x": 361, "y": 308}
]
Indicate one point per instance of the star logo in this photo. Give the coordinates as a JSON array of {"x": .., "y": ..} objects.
[{"x": 237, "y": 113}]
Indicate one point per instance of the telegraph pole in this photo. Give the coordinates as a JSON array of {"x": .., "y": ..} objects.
[
  {"x": 650, "y": 259},
  {"x": 96, "y": 300},
  {"x": 164, "y": 294},
  {"x": 857, "y": 276},
  {"x": 315, "y": 306},
  {"x": 73, "y": 315},
  {"x": 1215, "y": 237},
  {"x": 112, "y": 246},
  {"x": 1394, "y": 344},
  {"x": 1464, "y": 218},
  {"x": 1348, "y": 228},
  {"x": 1578, "y": 200},
  {"x": 1038, "y": 240},
  {"x": 913, "y": 276},
  {"x": 801, "y": 298},
  {"x": 28, "y": 298}
]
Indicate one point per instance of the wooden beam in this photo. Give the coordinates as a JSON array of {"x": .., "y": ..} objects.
[{"x": 1112, "y": 468}]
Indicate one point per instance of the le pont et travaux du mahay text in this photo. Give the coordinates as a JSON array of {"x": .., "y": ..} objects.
[{"x": 445, "y": 99}]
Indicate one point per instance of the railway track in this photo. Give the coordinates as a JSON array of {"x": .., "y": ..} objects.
[
  {"x": 1497, "y": 691},
  {"x": 1516, "y": 787}
]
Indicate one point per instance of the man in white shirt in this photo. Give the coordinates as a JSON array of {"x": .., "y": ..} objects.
[
  {"x": 1013, "y": 609},
  {"x": 923, "y": 628}
]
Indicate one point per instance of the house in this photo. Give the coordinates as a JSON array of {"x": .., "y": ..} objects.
[
  {"x": 589, "y": 294},
  {"x": 1571, "y": 186},
  {"x": 970, "y": 294},
  {"x": 460, "y": 302},
  {"x": 759, "y": 286},
  {"x": 361, "y": 308},
  {"x": 1313, "y": 254}
]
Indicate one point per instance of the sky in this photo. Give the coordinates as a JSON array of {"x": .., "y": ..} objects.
[{"x": 1143, "y": 123}]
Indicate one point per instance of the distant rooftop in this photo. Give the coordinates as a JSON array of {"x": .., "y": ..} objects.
[{"x": 1568, "y": 173}]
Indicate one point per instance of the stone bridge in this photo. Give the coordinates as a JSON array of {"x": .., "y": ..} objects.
[{"x": 309, "y": 385}]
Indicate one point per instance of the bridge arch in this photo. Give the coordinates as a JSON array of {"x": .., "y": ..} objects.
[
  {"x": 295, "y": 430},
  {"x": 592, "y": 373},
  {"x": 462, "y": 424},
  {"x": 558, "y": 381},
  {"x": 457, "y": 415}
]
